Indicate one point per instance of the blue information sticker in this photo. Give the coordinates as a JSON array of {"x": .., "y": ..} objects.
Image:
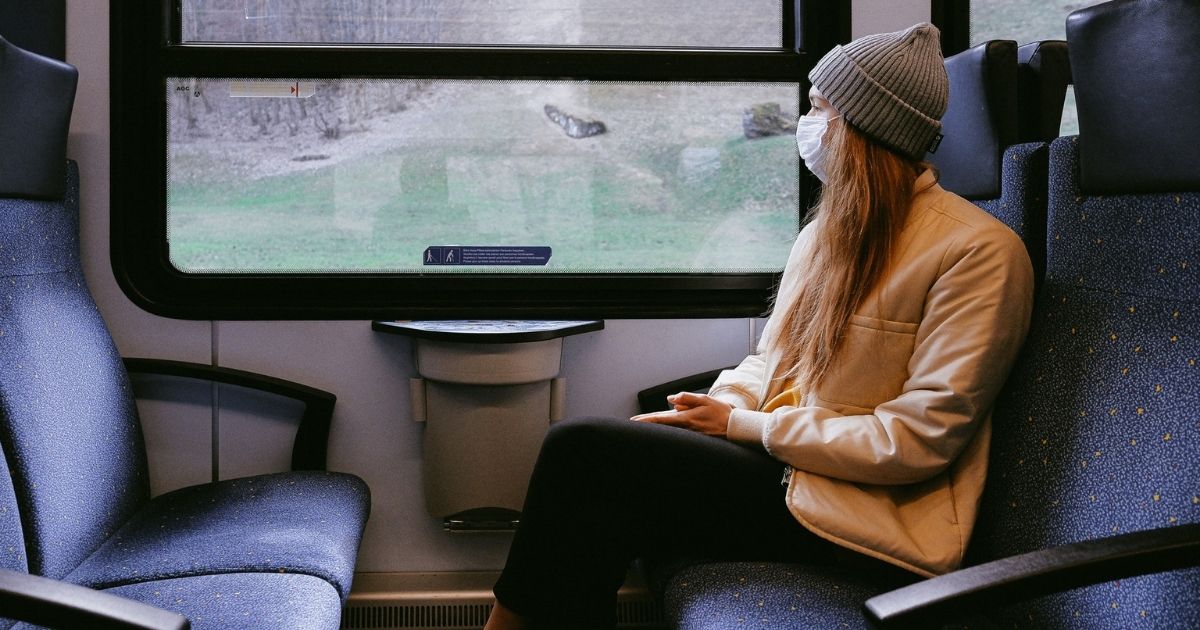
[{"x": 488, "y": 255}]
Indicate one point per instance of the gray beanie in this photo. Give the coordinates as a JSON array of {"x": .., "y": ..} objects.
[{"x": 891, "y": 86}]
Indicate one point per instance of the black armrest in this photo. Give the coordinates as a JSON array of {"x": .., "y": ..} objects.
[
  {"x": 1017, "y": 578},
  {"x": 655, "y": 398},
  {"x": 56, "y": 604},
  {"x": 312, "y": 436}
]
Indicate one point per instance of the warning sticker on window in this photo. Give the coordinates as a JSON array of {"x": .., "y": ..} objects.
[
  {"x": 272, "y": 89},
  {"x": 535, "y": 255}
]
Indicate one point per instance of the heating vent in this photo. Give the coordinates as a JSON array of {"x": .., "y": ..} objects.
[
  {"x": 462, "y": 601},
  {"x": 639, "y": 614},
  {"x": 416, "y": 616},
  {"x": 446, "y": 616}
]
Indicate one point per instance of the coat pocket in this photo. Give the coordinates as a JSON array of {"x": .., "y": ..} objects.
[{"x": 872, "y": 365}]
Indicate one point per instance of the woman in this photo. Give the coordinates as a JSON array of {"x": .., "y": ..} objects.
[{"x": 899, "y": 315}]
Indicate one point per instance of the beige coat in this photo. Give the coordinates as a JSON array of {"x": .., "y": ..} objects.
[{"x": 890, "y": 452}]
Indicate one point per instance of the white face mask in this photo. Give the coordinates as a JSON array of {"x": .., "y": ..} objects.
[{"x": 809, "y": 132}]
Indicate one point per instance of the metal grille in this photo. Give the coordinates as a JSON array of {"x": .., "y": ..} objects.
[
  {"x": 443, "y": 616},
  {"x": 643, "y": 614}
]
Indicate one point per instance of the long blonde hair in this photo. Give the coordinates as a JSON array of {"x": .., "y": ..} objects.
[{"x": 860, "y": 213}]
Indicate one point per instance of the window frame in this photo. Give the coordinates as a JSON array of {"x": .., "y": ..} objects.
[
  {"x": 953, "y": 19},
  {"x": 145, "y": 50}
]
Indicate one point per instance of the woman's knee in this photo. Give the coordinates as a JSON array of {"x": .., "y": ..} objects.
[
  {"x": 575, "y": 451},
  {"x": 583, "y": 435}
]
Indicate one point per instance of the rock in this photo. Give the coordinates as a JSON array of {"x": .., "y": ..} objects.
[
  {"x": 575, "y": 127},
  {"x": 766, "y": 119}
]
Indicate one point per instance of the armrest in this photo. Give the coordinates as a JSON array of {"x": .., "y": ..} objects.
[
  {"x": 52, "y": 603},
  {"x": 655, "y": 398},
  {"x": 312, "y": 436},
  {"x": 1030, "y": 575}
]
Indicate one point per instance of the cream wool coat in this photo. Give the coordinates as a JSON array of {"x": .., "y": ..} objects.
[{"x": 889, "y": 454}]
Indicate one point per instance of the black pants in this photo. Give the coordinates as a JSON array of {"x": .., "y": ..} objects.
[{"x": 606, "y": 491}]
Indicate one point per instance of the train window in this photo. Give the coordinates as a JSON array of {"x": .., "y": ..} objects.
[
  {"x": 494, "y": 158},
  {"x": 459, "y": 176},
  {"x": 686, "y": 23},
  {"x": 1028, "y": 21}
]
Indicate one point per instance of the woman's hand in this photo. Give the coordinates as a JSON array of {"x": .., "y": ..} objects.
[{"x": 694, "y": 412}]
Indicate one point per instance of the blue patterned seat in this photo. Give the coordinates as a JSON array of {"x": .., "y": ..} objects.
[
  {"x": 1107, "y": 410},
  {"x": 246, "y": 601},
  {"x": 266, "y": 601},
  {"x": 1021, "y": 204},
  {"x": 270, "y": 551},
  {"x": 1096, "y": 433},
  {"x": 292, "y": 522},
  {"x": 980, "y": 120},
  {"x": 997, "y": 133},
  {"x": 1096, "y": 439},
  {"x": 770, "y": 595},
  {"x": 12, "y": 539}
]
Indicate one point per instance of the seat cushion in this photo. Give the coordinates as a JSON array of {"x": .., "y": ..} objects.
[
  {"x": 244, "y": 600},
  {"x": 770, "y": 595},
  {"x": 247, "y": 601},
  {"x": 306, "y": 522}
]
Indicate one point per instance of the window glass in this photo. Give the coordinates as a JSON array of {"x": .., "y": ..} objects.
[
  {"x": 1028, "y": 21},
  {"x": 690, "y": 23},
  {"x": 461, "y": 176}
]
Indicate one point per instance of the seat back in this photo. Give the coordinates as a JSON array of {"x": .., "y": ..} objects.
[
  {"x": 33, "y": 164},
  {"x": 12, "y": 538},
  {"x": 36, "y": 98},
  {"x": 1135, "y": 63},
  {"x": 978, "y": 159},
  {"x": 68, "y": 425},
  {"x": 1096, "y": 432},
  {"x": 1043, "y": 74},
  {"x": 980, "y": 121}
]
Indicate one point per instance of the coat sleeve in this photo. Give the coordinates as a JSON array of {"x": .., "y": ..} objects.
[
  {"x": 743, "y": 387},
  {"x": 975, "y": 318}
]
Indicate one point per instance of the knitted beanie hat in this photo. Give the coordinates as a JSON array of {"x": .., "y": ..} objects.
[{"x": 891, "y": 86}]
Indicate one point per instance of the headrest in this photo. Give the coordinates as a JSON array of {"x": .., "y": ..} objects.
[
  {"x": 981, "y": 120},
  {"x": 39, "y": 27},
  {"x": 1043, "y": 74},
  {"x": 1135, "y": 65},
  {"x": 36, "y": 97}
]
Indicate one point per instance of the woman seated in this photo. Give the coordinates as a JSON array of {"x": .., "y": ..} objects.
[{"x": 901, "y": 310}]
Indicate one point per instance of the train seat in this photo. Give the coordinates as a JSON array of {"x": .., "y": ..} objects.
[
  {"x": 269, "y": 551},
  {"x": 69, "y": 429},
  {"x": 1096, "y": 439},
  {"x": 1089, "y": 519},
  {"x": 980, "y": 120},
  {"x": 1098, "y": 434},
  {"x": 997, "y": 133},
  {"x": 297, "y": 522},
  {"x": 1043, "y": 74}
]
